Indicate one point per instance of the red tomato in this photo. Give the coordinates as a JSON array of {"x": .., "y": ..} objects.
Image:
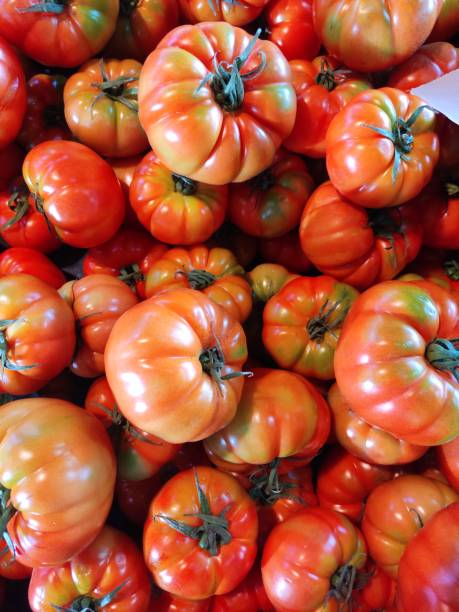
[
  {"x": 448, "y": 459},
  {"x": 37, "y": 334},
  {"x": 439, "y": 207},
  {"x": 76, "y": 190},
  {"x": 448, "y": 133},
  {"x": 57, "y": 473},
  {"x": 10, "y": 165},
  {"x": 356, "y": 245},
  {"x": 176, "y": 209},
  {"x": 165, "y": 602},
  {"x": 109, "y": 574},
  {"x": 12, "y": 93},
  {"x": 197, "y": 124},
  {"x": 381, "y": 148},
  {"x": 208, "y": 516},
  {"x": 376, "y": 593},
  {"x": 19, "y": 260},
  {"x": 10, "y": 568},
  {"x": 286, "y": 251},
  {"x": 57, "y": 34},
  {"x": 447, "y": 23},
  {"x": 371, "y": 35},
  {"x": 237, "y": 13},
  {"x": 249, "y": 595}
]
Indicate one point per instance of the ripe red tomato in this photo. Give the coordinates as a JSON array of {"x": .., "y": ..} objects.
[
  {"x": 439, "y": 207},
  {"x": 110, "y": 573},
  {"x": 381, "y": 148},
  {"x": 57, "y": 471},
  {"x": 237, "y": 13},
  {"x": 21, "y": 260},
  {"x": 285, "y": 251},
  {"x": 448, "y": 459},
  {"x": 250, "y": 595},
  {"x": 12, "y": 93},
  {"x": 162, "y": 601},
  {"x": 10, "y": 568},
  {"x": 215, "y": 102},
  {"x": 208, "y": 516},
  {"x": 377, "y": 592}
]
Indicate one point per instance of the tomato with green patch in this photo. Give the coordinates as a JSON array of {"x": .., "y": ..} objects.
[{"x": 267, "y": 279}]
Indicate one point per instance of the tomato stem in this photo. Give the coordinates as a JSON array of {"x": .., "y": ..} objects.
[
  {"x": 121, "y": 424},
  {"x": 19, "y": 204},
  {"x": 7, "y": 510},
  {"x": 85, "y": 603},
  {"x": 342, "y": 583},
  {"x": 452, "y": 269},
  {"x": 53, "y": 7},
  {"x": 198, "y": 279},
  {"x": 452, "y": 189},
  {"x": 213, "y": 6},
  {"x": 116, "y": 89},
  {"x": 318, "y": 326},
  {"x": 443, "y": 354},
  {"x": 184, "y": 185},
  {"x": 131, "y": 275},
  {"x": 330, "y": 78},
  {"x": 268, "y": 487},
  {"x": 4, "y": 348},
  {"x": 213, "y": 361}
]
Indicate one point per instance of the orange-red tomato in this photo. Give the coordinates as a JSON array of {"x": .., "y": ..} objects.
[
  {"x": 10, "y": 568},
  {"x": 12, "y": 93},
  {"x": 448, "y": 459},
  {"x": 376, "y": 593},
  {"x": 285, "y": 251},
  {"x": 165, "y": 602},
  {"x": 21, "y": 260},
  {"x": 237, "y": 13},
  {"x": 249, "y": 595}
]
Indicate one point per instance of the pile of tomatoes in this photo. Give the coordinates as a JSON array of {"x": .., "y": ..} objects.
[{"x": 229, "y": 306}]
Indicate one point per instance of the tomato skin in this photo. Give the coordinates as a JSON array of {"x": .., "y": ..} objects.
[
  {"x": 447, "y": 23},
  {"x": 85, "y": 208},
  {"x": 10, "y": 568},
  {"x": 428, "y": 574},
  {"x": 167, "y": 89},
  {"x": 302, "y": 554},
  {"x": 285, "y": 251},
  {"x": 370, "y": 35},
  {"x": 364, "y": 441},
  {"x": 12, "y": 93},
  {"x": 355, "y": 245},
  {"x": 237, "y": 14},
  {"x": 163, "y": 206},
  {"x": 158, "y": 343},
  {"x": 165, "y": 602},
  {"x": 111, "y": 560},
  {"x": 10, "y": 164},
  {"x": 21, "y": 260},
  {"x": 319, "y": 102},
  {"x": 302, "y": 323},
  {"x": 439, "y": 206},
  {"x": 67, "y": 480},
  {"x": 344, "y": 482},
  {"x": 377, "y": 594},
  {"x": 65, "y": 39},
  {"x": 270, "y": 205},
  {"x": 181, "y": 267},
  {"x": 196, "y": 574},
  {"x": 267, "y": 279},
  {"x": 250, "y": 594},
  {"x": 362, "y": 163},
  {"x": 448, "y": 459},
  {"x": 405, "y": 317}
]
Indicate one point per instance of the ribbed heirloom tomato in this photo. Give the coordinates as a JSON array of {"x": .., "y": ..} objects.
[
  {"x": 21, "y": 260},
  {"x": 236, "y": 12},
  {"x": 12, "y": 94},
  {"x": 215, "y": 102},
  {"x": 448, "y": 459}
]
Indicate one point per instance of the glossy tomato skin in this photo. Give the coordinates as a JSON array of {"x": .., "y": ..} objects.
[
  {"x": 447, "y": 23},
  {"x": 110, "y": 561},
  {"x": 12, "y": 93},
  {"x": 197, "y": 574},
  {"x": 439, "y": 206},
  {"x": 323, "y": 87},
  {"x": 105, "y": 119},
  {"x": 429, "y": 574},
  {"x": 344, "y": 482},
  {"x": 250, "y": 594},
  {"x": 405, "y": 317},
  {"x": 165, "y": 602},
  {"x": 302, "y": 555},
  {"x": 356, "y": 245},
  {"x": 365, "y": 165},
  {"x": 21, "y": 260},
  {"x": 302, "y": 323},
  {"x": 78, "y": 190},
  {"x": 66, "y": 38},
  {"x": 237, "y": 14},
  {"x": 270, "y": 204},
  {"x": 448, "y": 459},
  {"x": 38, "y": 329},
  {"x": 396, "y": 510},
  {"x": 153, "y": 366},
  {"x": 67, "y": 480},
  {"x": 174, "y": 209},
  {"x": 267, "y": 279},
  {"x": 286, "y": 251},
  {"x": 370, "y": 35},
  {"x": 168, "y": 87},
  {"x": 10, "y": 568},
  {"x": 378, "y": 593}
]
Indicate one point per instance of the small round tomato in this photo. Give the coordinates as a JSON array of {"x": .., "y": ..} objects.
[
  {"x": 235, "y": 12},
  {"x": 448, "y": 459},
  {"x": 267, "y": 279},
  {"x": 285, "y": 251},
  {"x": 12, "y": 93},
  {"x": 21, "y": 260},
  {"x": 110, "y": 573},
  {"x": 208, "y": 516}
]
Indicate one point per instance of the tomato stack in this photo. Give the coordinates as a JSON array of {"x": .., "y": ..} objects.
[{"x": 229, "y": 306}]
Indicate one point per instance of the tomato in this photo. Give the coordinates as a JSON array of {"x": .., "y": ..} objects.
[
  {"x": 289, "y": 25},
  {"x": 448, "y": 458},
  {"x": 140, "y": 26},
  {"x": 439, "y": 206},
  {"x": 344, "y": 482},
  {"x": 100, "y": 105},
  {"x": 230, "y": 237},
  {"x": 44, "y": 116},
  {"x": 323, "y": 87},
  {"x": 381, "y": 148},
  {"x": 404, "y": 380},
  {"x": 428, "y": 63},
  {"x": 396, "y": 510},
  {"x": 109, "y": 573},
  {"x": 12, "y": 93},
  {"x": 237, "y": 13},
  {"x": 302, "y": 324},
  {"x": 268, "y": 279},
  {"x": 171, "y": 353},
  {"x": 278, "y": 416},
  {"x": 9, "y": 567},
  {"x": 140, "y": 455},
  {"x": 211, "y": 520},
  {"x": 356, "y": 245},
  {"x": 376, "y": 593},
  {"x": 364, "y": 441},
  {"x": 37, "y": 334},
  {"x": 10, "y": 165},
  {"x": 215, "y": 272},
  {"x": 59, "y": 34},
  {"x": 435, "y": 266},
  {"x": 270, "y": 204},
  {"x": 448, "y": 133},
  {"x": 57, "y": 474},
  {"x": 447, "y": 23},
  {"x": 216, "y": 127},
  {"x": 97, "y": 302},
  {"x": 76, "y": 190},
  {"x": 429, "y": 572},
  {"x": 176, "y": 209},
  {"x": 310, "y": 559},
  {"x": 250, "y": 594},
  {"x": 286, "y": 251},
  {"x": 21, "y": 260},
  {"x": 165, "y": 602},
  {"x": 371, "y": 35}
]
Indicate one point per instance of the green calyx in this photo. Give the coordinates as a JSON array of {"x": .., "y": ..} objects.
[
  {"x": 451, "y": 268},
  {"x": 184, "y": 185},
  {"x": 54, "y": 7},
  {"x": 118, "y": 90},
  {"x": 443, "y": 354},
  {"x": 342, "y": 583},
  {"x": 267, "y": 486},
  {"x": 329, "y": 77},
  {"x": 85, "y": 603},
  {"x": 5, "y": 362},
  {"x": 326, "y": 321},
  {"x": 131, "y": 275},
  {"x": 213, "y": 361}
]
